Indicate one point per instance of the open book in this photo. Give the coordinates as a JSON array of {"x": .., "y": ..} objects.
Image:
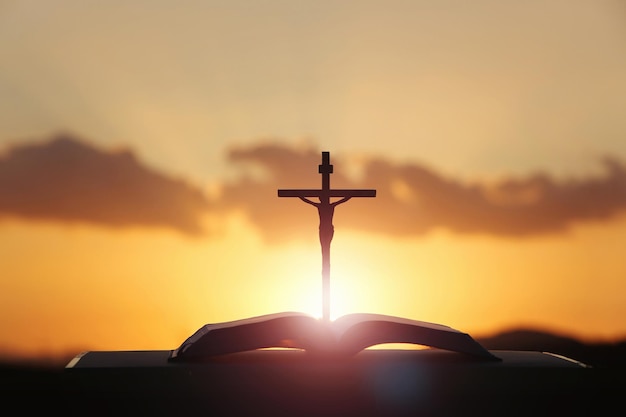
[{"x": 346, "y": 335}]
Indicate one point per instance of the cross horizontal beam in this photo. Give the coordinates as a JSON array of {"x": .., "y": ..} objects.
[{"x": 329, "y": 193}]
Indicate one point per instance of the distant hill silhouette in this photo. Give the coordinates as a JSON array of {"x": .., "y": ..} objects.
[{"x": 601, "y": 355}]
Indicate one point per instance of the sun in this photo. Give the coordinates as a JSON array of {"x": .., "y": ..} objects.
[
  {"x": 302, "y": 290},
  {"x": 355, "y": 277}
]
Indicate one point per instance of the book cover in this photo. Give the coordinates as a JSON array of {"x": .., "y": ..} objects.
[{"x": 346, "y": 336}]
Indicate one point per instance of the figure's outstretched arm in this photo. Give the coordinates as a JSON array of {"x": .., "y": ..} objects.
[
  {"x": 343, "y": 200},
  {"x": 306, "y": 200}
]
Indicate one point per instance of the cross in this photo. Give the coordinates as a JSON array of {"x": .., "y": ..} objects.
[{"x": 326, "y": 209}]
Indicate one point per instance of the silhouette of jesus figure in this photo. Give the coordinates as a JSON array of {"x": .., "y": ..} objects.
[{"x": 326, "y": 210}]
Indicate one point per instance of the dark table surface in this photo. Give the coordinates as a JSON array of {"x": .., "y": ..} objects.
[{"x": 278, "y": 382}]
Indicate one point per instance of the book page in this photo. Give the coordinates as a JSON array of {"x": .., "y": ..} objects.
[
  {"x": 343, "y": 323},
  {"x": 251, "y": 320}
]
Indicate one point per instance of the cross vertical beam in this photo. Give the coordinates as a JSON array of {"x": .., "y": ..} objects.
[
  {"x": 325, "y": 169},
  {"x": 326, "y": 210},
  {"x": 326, "y": 231}
]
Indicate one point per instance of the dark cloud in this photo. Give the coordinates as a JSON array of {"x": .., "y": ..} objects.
[
  {"x": 412, "y": 199},
  {"x": 66, "y": 179}
]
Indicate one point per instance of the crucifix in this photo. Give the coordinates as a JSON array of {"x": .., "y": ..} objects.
[{"x": 326, "y": 209}]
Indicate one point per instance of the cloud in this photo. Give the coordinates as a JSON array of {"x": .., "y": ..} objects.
[
  {"x": 413, "y": 199},
  {"x": 66, "y": 179}
]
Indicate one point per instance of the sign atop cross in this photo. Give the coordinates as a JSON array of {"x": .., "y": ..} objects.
[{"x": 326, "y": 209}]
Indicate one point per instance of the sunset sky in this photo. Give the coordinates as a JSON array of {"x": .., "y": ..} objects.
[{"x": 142, "y": 143}]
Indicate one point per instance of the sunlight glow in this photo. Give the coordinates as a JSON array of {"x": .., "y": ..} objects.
[{"x": 397, "y": 346}]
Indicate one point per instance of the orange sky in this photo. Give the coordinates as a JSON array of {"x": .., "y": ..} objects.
[
  {"x": 144, "y": 281},
  {"x": 493, "y": 134}
]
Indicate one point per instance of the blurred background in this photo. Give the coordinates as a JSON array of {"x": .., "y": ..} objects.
[{"x": 142, "y": 143}]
